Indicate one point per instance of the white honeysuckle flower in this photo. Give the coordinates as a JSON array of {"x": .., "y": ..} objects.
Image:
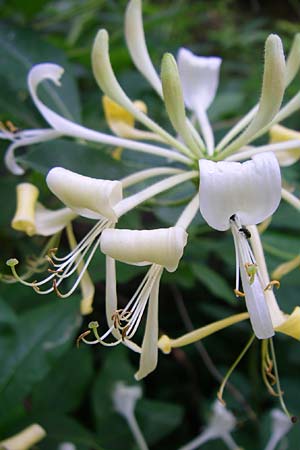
[
  {"x": 222, "y": 422},
  {"x": 124, "y": 400},
  {"x": 160, "y": 248},
  {"x": 89, "y": 197},
  {"x": 33, "y": 218},
  {"x": 200, "y": 78},
  {"x": 281, "y": 425},
  {"x": 234, "y": 195},
  {"x": 84, "y": 196},
  {"x": 25, "y": 439}
]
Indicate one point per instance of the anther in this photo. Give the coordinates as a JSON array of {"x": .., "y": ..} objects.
[
  {"x": 55, "y": 288},
  {"x": 81, "y": 337},
  {"x": 239, "y": 293},
  {"x": 272, "y": 283},
  {"x": 245, "y": 232}
]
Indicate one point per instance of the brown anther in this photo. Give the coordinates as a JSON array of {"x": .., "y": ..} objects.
[
  {"x": 11, "y": 127},
  {"x": 51, "y": 252},
  {"x": 238, "y": 293},
  {"x": 124, "y": 331},
  {"x": 220, "y": 398},
  {"x": 35, "y": 287},
  {"x": 58, "y": 271},
  {"x": 272, "y": 283},
  {"x": 82, "y": 336},
  {"x": 55, "y": 288}
]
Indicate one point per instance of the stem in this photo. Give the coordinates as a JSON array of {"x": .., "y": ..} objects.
[
  {"x": 234, "y": 365},
  {"x": 282, "y": 403},
  {"x": 136, "y": 431}
]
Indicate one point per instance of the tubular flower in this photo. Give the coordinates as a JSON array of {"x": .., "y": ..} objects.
[
  {"x": 291, "y": 153},
  {"x": 25, "y": 439},
  {"x": 82, "y": 196},
  {"x": 33, "y": 218},
  {"x": 222, "y": 422},
  {"x": 281, "y": 425},
  {"x": 234, "y": 195},
  {"x": 161, "y": 248}
]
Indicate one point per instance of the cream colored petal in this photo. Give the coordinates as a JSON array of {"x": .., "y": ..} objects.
[
  {"x": 251, "y": 189},
  {"x": 200, "y": 78},
  {"x": 24, "y": 440},
  {"x": 273, "y": 88},
  {"x": 135, "y": 38},
  {"x": 49, "y": 222},
  {"x": 148, "y": 359},
  {"x": 162, "y": 246},
  {"x": 89, "y": 197},
  {"x": 287, "y": 157},
  {"x": 291, "y": 326},
  {"x": 86, "y": 284},
  {"x": 24, "y": 218}
]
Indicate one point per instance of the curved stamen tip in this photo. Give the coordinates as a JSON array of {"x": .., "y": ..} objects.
[
  {"x": 12, "y": 262},
  {"x": 93, "y": 325},
  {"x": 220, "y": 398},
  {"x": 239, "y": 293},
  {"x": 81, "y": 337},
  {"x": 271, "y": 284},
  {"x": 35, "y": 287},
  {"x": 56, "y": 290}
]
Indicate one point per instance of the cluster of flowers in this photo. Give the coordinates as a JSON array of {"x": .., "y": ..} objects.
[{"x": 233, "y": 195}]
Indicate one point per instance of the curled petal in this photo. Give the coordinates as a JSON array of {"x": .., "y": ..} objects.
[
  {"x": 135, "y": 38},
  {"x": 48, "y": 221},
  {"x": 148, "y": 359},
  {"x": 162, "y": 246},
  {"x": 88, "y": 197},
  {"x": 199, "y": 77},
  {"x": 251, "y": 189}
]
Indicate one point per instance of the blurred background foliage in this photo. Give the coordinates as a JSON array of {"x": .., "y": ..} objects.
[{"x": 43, "y": 377}]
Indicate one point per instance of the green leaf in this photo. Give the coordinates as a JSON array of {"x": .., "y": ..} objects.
[
  {"x": 214, "y": 282},
  {"x": 21, "y": 49},
  {"x": 42, "y": 336},
  {"x": 92, "y": 162},
  {"x": 157, "y": 419},
  {"x": 69, "y": 377}
]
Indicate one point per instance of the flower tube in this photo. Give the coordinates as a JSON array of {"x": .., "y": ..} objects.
[
  {"x": 160, "y": 248},
  {"x": 234, "y": 195}
]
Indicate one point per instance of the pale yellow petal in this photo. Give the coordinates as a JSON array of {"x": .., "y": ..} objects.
[
  {"x": 278, "y": 133},
  {"x": 291, "y": 326},
  {"x": 24, "y": 218}
]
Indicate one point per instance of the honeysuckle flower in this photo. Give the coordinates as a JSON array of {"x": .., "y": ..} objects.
[
  {"x": 222, "y": 422},
  {"x": 124, "y": 399},
  {"x": 160, "y": 248},
  {"x": 233, "y": 196},
  {"x": 25, "y": 439},
  {"x": 33, "y": 218},
  {"x": 281, "y": 425}
]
